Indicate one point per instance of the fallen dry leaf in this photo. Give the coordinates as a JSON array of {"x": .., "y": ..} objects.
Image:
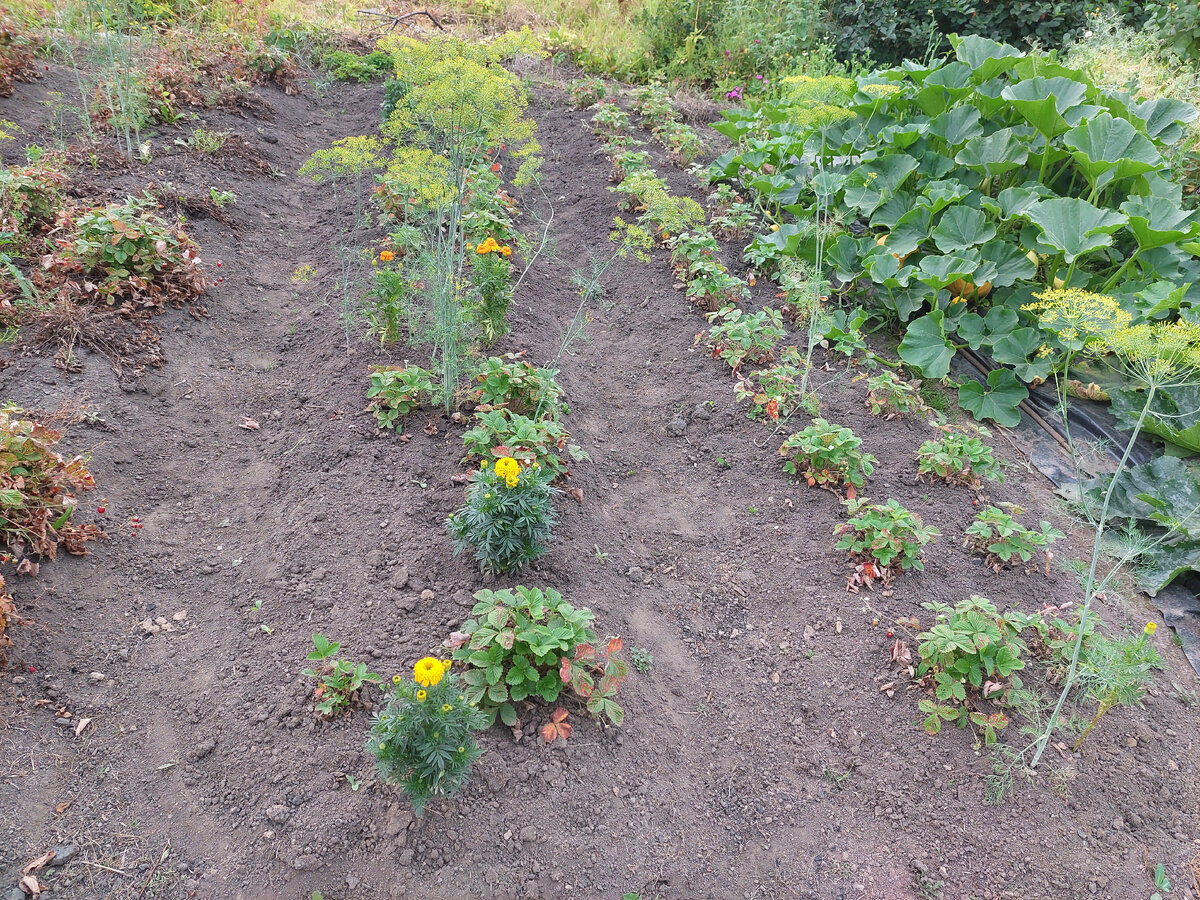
[
  {"x": 34, "y": 864},
  {"x": 576, "y": 494},
  {"x": 63, "y": 807},
  {"x": 80, "y": 725},
  {"x": 430, "y": 428},
  {"x": 249, "y": 424},
  {"x": 460, "y": 477},
  {"x": 30, "y": 885}
]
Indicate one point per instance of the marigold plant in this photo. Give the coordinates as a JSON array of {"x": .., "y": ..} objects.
[
  {"x": 424, "y": 736},
  {"x": 508, "y": 517}
]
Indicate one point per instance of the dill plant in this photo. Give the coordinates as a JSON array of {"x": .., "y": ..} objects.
[
  {"x": 1156, "y": 357},
  {"x": 424, "y": 736}
]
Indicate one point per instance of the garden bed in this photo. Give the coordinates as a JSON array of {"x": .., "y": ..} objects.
[{"x": 772, "y": 749}]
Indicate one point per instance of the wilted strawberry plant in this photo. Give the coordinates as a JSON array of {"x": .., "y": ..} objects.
[
  {"x": 124, "y": 253},
  {"x": 339, "y": 680},
  {"x": 38, "y": 492},
  {"x": 30, "y": 198},
  {"x": 774, "y": 393},
  {"x": 890, "y": 396}
]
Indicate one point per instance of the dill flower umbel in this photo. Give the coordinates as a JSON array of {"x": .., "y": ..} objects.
[
  {"x": 1160, "y": 352},
  {"x": 428, "y": 671},
  {"x": 1078, "y": 316}
]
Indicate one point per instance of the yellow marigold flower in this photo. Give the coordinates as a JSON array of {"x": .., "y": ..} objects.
[
  {"x": 508, "y": 469},
  {"x": 446, "y": 707},
  {"x": 428, "y": 671},
  {"x": 1150, "y": 628},
  {"x": 387, "y": 255},
  {"x": 395, "y": 679},
  {"x": 488, "y": 246},
  {"x": 421, "y": 695}
]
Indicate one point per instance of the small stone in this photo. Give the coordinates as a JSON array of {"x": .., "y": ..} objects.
[
  {"x": 278, "y": 813},
  {"x": 635, "y": 573},
  {"x": 61, "y": 720},
  {"x": 399, "y": 578},
  {"x": 1118, "y": 823},
  {"x": 427, "y": 595},
  {"x": 1131, "y": 742},
  {"x": 351, "y": 882},
  {"x": 63, "y": 855},
  {"x": 528, "y": 834},
  {"x": 677, "y": 427}
]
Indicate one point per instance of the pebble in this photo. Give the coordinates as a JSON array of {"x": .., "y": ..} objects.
[
  {"x": 677, "y": 427},
  {"x": 427, "y": 595},
  {"x": 63, "y": 855},
  {"x": 278, "y": 813}
]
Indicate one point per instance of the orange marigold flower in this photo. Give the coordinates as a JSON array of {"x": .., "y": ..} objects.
[{"x": 387, "y": 255}]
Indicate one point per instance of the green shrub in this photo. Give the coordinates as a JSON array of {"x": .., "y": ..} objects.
[
  {"x": 827, "y": 455},
  {"x": 424, "y": 736},
  {"x": 893, "y": 30},
  {"x": 346, "y": 66},
  {"x": 30, "y": 198},
  {"x": 1176, "y": 26},
  {"x": 983, "y": 178},
  {"x": 508, "y": 517}
]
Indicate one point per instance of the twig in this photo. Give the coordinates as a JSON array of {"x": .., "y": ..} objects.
[{"x": 396, "y": 21}]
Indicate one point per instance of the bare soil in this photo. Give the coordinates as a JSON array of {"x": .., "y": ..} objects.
[{"x": 760, "y": 757}]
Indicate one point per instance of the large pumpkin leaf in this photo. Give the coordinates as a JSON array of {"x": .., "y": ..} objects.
[
  {"x": 1173, "y": 414},
  {"x": 940, "y": 271},
  {"x": 961, "y": 228},
  {"x": 868, "y": 185},
  {"x": 1009, "y": 263},
  {"x": 1157, "y": 222},
  {"x": 1015, "y": 201},
  {"x": 1075, "y": 227},
  {"x": 1165, "y": 118},
  {"x": 1019, "y": 349},
  {"x": 1043, "y": 101},
  {"x": 925, "y": 346},
  {"x": 998, "y": 402},
  {"x": 999, "y": 152},
  {"x": 957, "y": 126},
  {"x": 1106, "y": 148},
  {"x": 986, "y": 57}
]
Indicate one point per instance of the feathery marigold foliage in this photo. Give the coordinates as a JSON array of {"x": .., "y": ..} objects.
[
  {"x": 424, "y": 737},
  {"x": 508, "y": 517}
]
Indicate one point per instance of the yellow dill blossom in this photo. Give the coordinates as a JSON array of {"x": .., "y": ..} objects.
[
  {"x": 1158, "y": 353},
  {"x": 879, "y": 90},
  {"x": 508, "y": 469},
  {"x": 428, "y": 671},
  {"x": 345, "y": 158},
  {"x": 1150, "y": 628},
  {"x": 1078, "y": 316},
  {"x": 421, "y": 695}
]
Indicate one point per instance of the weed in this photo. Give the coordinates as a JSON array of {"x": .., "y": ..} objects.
[
  {"x": 339, "y": 680},
  {"x": 207, "y": 142},
  {"x": 221, "y": 199},
  {"x": 641, "y": 658}
]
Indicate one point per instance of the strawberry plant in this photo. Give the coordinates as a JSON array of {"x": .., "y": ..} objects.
[
  {"x": 886, "y": 535},
  {"x": 595, "y": 677},
  {"x": 828, "y": 455},
  {"x": 610, "y": 119},
  {"x": 16, "y": 54},
  {"x": 124, "y": 252},
  {"x": 511, "y": 383},
  {"x": 518, "y": 645},
  {"x": 586, "y": 92},
  {"x": 30, "y": 199},
  {"x": 626, "y": 162},
  {"x": 339, "y": 680},
  {"x": 395, "y": 391},
  {"x": 890, "y": 396},
  {"x": 739, "y": 337},
  {"x": 501, "y": 432},
  {"x": 1001, "y": 540},
  {"x": 774, "y": 392},
  {"x": 970, "y": 647},
  {"x": 958, "y": 457},
  {"x": 38, "y": 492}
]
